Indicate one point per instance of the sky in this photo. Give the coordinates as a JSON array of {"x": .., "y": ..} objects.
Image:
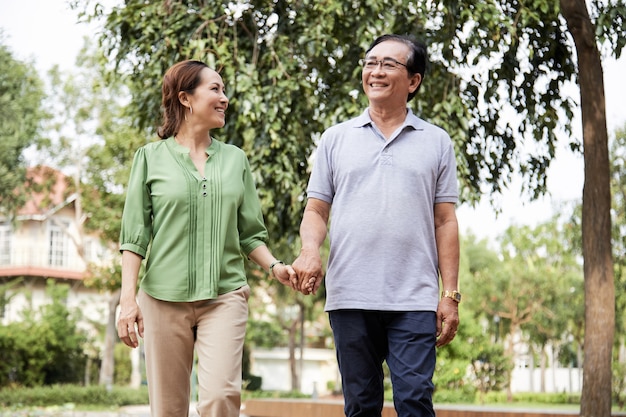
[{"x": 45, "y": 32}]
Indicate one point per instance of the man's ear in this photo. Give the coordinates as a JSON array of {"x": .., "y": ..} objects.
[{"x": 416, "y": 80}]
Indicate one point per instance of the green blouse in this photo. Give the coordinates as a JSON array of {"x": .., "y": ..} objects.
[{"x": 194, "y": 231}]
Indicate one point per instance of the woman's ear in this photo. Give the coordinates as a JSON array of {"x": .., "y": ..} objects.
[{"x": 183, "y": 98}]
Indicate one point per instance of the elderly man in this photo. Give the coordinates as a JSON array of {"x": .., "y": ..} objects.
[{"x": 390, "y": 179}]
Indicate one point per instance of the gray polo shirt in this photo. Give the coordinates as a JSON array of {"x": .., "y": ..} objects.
[{"x": 383, "y": 254}]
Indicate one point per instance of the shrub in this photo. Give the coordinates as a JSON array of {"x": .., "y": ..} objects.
[
  {"x": 46, "y": 347},
  {"x": 533, "y": 398},
  {"x": 123, "y": 365},
  {"x": 464, "y": 394},
  {"x": 52, "y": 395}
]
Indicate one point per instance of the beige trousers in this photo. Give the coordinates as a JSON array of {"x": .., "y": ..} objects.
[{"x": 216, "y": 328}]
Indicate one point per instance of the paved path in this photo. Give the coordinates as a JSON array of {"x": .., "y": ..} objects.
[{"x": 127, "y": 411}]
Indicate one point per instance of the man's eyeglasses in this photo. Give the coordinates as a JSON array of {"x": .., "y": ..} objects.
[{"x": 387, "y": 64}]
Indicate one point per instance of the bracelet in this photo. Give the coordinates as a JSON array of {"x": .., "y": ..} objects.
[{"x": 272, "y": 265}]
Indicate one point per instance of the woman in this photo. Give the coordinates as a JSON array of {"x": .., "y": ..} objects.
[{"x": 192, "y": 210}]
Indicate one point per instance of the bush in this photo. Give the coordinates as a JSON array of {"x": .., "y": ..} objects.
[
  {"x": 46, "y": 346},
  {"x": 533, "y": 398},
  {"x": 123, "y": 365},
  {"x": 51, "y": 395},
  {"x": 465, "y": 394},
  {"x": 246, "y": 395}
]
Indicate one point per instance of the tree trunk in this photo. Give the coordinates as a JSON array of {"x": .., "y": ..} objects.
[
  {"x": 509, "y": 351},
  {"x": 542, "y": 367},
  {"x": 302, "y": 343},
  {"x": 107, "y": 369},
  {"x": 295, "y": 382},
  {"x": 596, "y": 219}
]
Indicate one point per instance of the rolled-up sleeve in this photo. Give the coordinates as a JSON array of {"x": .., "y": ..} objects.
[
  {"x": 136, "y": 228},
  {"x": 252, "y": 231}
]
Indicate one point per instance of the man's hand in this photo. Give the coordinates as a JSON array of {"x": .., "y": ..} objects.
[
  {"x": 308, "y": 267},
  {"x": 447, "y": 321}
]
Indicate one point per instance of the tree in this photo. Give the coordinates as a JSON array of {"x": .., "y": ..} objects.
[
  {"x": 555, "y": 253},
  {"x": 481, "y": 348},
  {"x": 618, "y": 188},
  {"x": 89, "y": 138},
  {"x": 496, "y": 80},
  {"x": 21, "y": 95},
  {"x": 523, "y": 292},
  {"x": 596, "y": 219}
]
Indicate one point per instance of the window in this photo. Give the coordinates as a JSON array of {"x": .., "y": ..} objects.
[
  {"x": 5, "y": 243},
  {"x": 93, "y": 250},
  {"x": 57, "y": 251}
]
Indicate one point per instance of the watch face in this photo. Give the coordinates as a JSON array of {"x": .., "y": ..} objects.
[{"x": 457, "y": 296}]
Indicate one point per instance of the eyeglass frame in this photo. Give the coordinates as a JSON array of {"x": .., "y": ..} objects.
[{"x": 381, "y": 63}]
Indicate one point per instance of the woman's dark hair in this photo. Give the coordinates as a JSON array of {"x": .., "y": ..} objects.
[
  {"x": 183, "y": 76},
  {"x": 417, "y": 61}
]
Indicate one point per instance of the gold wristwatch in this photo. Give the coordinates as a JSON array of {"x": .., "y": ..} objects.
[{"x": 455, "y": 295}]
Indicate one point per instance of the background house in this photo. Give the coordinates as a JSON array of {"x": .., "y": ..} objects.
[
  {"x": 319, "y": 372},
  {"x": 45, "y": 241}
]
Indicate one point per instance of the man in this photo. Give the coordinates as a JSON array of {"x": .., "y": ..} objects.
[{"x": 390, "y": 178}]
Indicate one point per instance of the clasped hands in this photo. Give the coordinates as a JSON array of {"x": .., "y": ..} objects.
[{"x": 304, "y": 275}]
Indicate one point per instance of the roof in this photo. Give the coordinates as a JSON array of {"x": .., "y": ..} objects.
[{"x": 49, "y": 192}]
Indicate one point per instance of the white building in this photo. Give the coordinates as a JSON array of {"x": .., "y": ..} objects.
[
  {"x": 319, "y": 371},
  {"x": 42, "y": 243}
]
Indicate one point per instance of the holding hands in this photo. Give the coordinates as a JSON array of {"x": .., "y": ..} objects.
[
  {"x": 308, "y": 267},
  {"x": 285, "y": 274},
  {"x": 304, "y": 275}
]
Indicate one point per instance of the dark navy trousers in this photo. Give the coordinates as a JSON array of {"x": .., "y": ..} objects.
[{"x": 406, "y": 340}]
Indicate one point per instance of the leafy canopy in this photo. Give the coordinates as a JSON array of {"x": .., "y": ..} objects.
[
  {"x": 496, "y": 80},
  {"x": 21, "y": 93}
]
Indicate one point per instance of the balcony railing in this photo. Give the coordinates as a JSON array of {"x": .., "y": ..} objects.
[{"x": 34, "y": 258}]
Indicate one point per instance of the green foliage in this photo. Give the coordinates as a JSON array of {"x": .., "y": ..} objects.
[
  {"x": 609, "y": 23},
  {"x": 618, "y": 190},
  {"x": 464, "y": 395},
  {"x": 246, "y": 395},
  {"x": 452, "y": 381},
  {"x": 471, "y": 364},
  {"x": 90, "y": 137},
  {"x": 531, "y": 287},
  {"x": 265, "y": 333},
  {"x": 619, "y": 382},
  {"x": 21, "y": 94},
  {"x": 123, "y": 366},
  {"x": 491, "y": 368},
  {"x": 533, "y": 398},
  {"x": 18, "y": 398},
  {"x": 291, "y": 70},
  {"x": 46, "y": 347}
]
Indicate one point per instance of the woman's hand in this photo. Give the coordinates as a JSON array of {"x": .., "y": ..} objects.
[
  {"x": 285, "y": 274},
  {"x": 130, "y": 324}
]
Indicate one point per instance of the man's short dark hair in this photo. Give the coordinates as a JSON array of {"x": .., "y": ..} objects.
[{"x": 417, "y": 61}]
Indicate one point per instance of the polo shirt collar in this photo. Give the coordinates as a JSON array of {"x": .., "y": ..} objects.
[{"x": 411, "y": 119}]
